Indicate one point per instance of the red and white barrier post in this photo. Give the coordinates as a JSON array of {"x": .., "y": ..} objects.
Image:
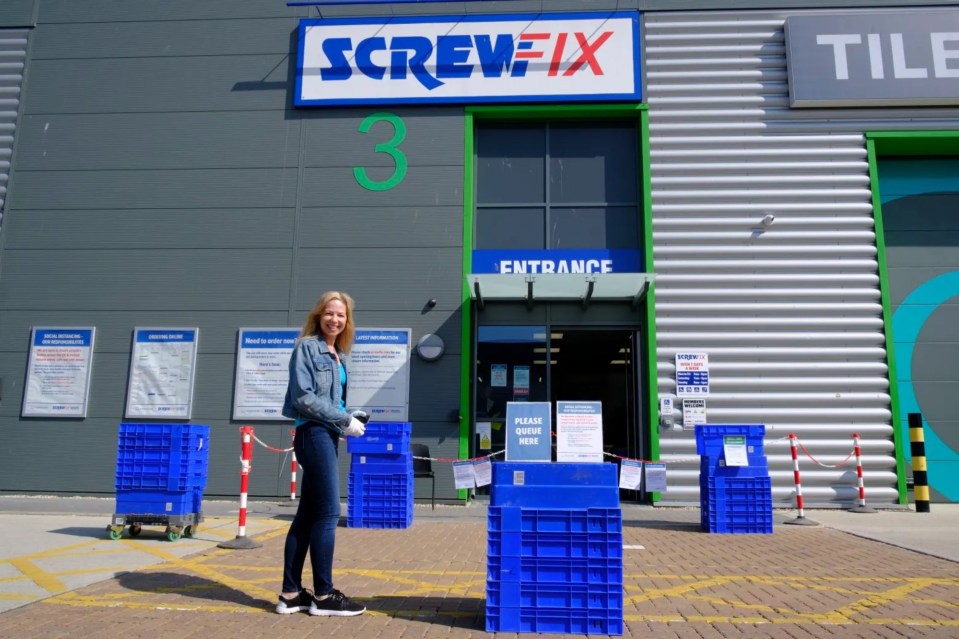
[
  {"x": 861, "y": 507},
  {"x": 293, "y": 471},
  {"x": 242, "y": 542},
  {"x": 801, "y": 518}
]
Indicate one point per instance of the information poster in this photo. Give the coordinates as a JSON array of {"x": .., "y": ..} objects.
[
  {"x": 692, "y": 374},
  {"x": 483, "y": 468},
  {"x": 528, "y": 431},
  {"x": 380, "y": 373},
  {"x": 498, "y": 375},
  {"x": 579, "y": 431},
  {"x": 630, "y": 474},
  {"x": 262, "y": 372},
  {"x": 734, "y": 450},
  {"x": 161, "y": 373},
  {"x": 464, "y": 475},
  {"x": 694, "y": 412},
  {"x": 484, "y": 430},
  {"x": 655, "y": 477},
  {"x": 58, "y": 372}
]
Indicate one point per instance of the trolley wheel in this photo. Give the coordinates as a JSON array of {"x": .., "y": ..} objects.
[
  {"x": 173, "y": 533},
  {"x": 116, "y": 532},
  {"x": 190, "y": 531},
  {"x": 135, "y": 530}
]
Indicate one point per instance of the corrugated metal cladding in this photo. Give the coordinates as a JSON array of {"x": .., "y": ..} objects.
[
  {"x": 788, "y": 310},
  {"x": 13, "y": 54}
]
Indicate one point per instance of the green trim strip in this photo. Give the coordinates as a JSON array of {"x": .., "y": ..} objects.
[
  {"x": 898, "y": 143},
  {"x": 466, "y": 308},
  {"x": 887, "y": 319},
  {"x": 652, "y": 383},
  {"x": 537, "y": 112}
]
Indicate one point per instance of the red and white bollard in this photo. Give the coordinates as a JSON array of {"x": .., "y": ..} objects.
[
  {"x": 293, "y": 471},
  {"x": 801, "y": 518},
  {"x": 861, "y": 507},
  {"x": 243, "y": 542}
]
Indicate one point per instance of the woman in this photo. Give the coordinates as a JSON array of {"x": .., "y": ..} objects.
[{"x": 316, "y": 399}]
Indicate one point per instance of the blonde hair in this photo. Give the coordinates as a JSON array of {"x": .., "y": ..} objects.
[{"x": 311, "y": 327}]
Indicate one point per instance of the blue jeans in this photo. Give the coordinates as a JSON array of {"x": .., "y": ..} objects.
[{"x": 314, "y": 526}]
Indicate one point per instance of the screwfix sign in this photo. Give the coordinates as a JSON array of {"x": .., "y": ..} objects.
[{"x": 469, "y": 59}]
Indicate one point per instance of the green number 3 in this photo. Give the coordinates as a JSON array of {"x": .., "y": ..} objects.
[{"x": 391, "y": 148}]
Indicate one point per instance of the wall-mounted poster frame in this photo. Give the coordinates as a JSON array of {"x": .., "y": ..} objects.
[
  {"x": 380, "y": 373},
  {"x": 58, "y": 372},
  {"x": 262, "y": 372},
  {"x": 162, "y": 366}
]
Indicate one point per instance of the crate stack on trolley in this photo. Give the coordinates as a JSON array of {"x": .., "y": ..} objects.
[
  {"x": 554, "y": 549},
  {"x": 734, "y": 499},
  {"x": 380, "y": 490},
  {"x": 161, "y": 474}
]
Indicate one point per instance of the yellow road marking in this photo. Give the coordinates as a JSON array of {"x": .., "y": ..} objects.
[{"x": 39, "y": 576}]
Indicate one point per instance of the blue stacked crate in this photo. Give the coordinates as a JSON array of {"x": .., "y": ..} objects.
[
  {"x": 380, "y": 488},
  {"x": 734, "y": 499},
  {"x": 554, "y": 549},
  {"x": 161, "y": 469}
]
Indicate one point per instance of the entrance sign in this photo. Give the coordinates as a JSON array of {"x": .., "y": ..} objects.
[
  {"x": 162, "y": 365},
  {"x": 380, "y": 373},
  {"x": 476, "y": 59},
  {"x": 262, "y": 372},
  {"x": 692, "y": 374},
  {"x": 579, "y": 431},
  {"x": 873, "y": 59},
  {"x": 558, "y": 261},
  {"x": 528, "y": 431},
  {"x": 58, "y": 372}
]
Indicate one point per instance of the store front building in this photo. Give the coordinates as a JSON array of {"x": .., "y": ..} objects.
[{"x": 567, "y": 202}]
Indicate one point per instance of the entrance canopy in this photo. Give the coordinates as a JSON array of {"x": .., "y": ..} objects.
[{"x": 558, "y": 287}]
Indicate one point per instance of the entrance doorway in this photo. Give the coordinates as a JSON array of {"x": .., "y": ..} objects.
[{"x": 550, "y": 364}]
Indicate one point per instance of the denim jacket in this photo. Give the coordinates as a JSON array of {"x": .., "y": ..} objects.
[{"x": 314, "y": 389}]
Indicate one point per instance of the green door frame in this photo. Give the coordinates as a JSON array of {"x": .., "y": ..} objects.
[
  {"x": 554, "y": 112},
  {"x": 887, "y": 143}
]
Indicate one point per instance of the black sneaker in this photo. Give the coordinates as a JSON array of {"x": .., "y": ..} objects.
[
  {"x": 336, "y": 605},
  {"x": 302, "y": 601}
]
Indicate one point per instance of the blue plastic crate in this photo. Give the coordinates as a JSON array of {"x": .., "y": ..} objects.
[
  {"x": 390, "y": 517},
  {"x": 168, "y": 457},
  {"x": 552, "y": 570},
  {"x": 364, "y": 464},
  {"x": 739, "y": 523},
  {"x": 721, "y": 490},
  {"x": 551, "y": 474},
  {"x": 716, "y": 467},
  {"x": 592, "y": 520},
  {"x": 159, "y": 502},
  {"x": 559, "y": 545},
  {"x": 709, "y": 437},
  {"x": 380, "y": 485},
  {"x": 577, "y": 621},
  {"x": 513, "y": 594},
  {"x": 382, "y": 437}
]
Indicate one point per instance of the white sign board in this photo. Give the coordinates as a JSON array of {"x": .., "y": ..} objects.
[
  {"x": 380, "y": 373},
  {"x": 692, "y": 374},
  {"x": 262, "y": 372},
  {"x": 694, "y": 412},
  {"x": 630, "y": 474},
  {"x": 58, "y": 372},
  {"x": 579, "y": 431},
  {"x": 655, "y": 477},
  {"x": 161, "y": 373},
  {"x": 534, "y": 57}
]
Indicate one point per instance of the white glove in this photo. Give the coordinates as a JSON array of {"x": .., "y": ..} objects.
[
  {"x": 355, "y": 429},
  {"x": 361, "y": 415}
]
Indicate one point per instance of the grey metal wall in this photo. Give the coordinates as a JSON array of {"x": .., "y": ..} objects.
[
  {"x": 162, "y": 178},
  {"x": 789, "y": 313},
  {"x": 13, "y": 54}
]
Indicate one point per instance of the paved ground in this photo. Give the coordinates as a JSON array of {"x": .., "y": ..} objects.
[{"x": 429, "y": 580}]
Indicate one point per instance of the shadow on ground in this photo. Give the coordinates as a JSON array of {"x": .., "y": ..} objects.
[
  {"x": 454, "y": 612},
  {"x": 192, "y": 587}
]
